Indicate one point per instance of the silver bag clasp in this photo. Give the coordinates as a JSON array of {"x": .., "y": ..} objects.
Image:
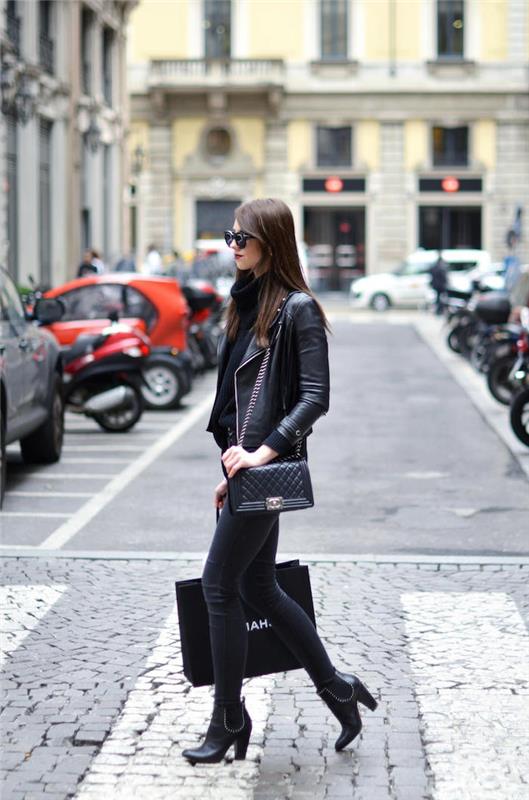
[{"x": 274, "y": 503}]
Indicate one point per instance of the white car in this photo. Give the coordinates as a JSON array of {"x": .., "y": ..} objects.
[{"x": 409, "y": 284}]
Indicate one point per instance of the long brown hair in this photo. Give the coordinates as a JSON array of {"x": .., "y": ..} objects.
[{"x": 271, "y": 222}]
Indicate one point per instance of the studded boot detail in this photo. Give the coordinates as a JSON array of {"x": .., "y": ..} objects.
[
  {"x": 229, "y": 726},
  {"x": 342, "y": 696}
]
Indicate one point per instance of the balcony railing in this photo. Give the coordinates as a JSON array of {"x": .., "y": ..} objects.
[
  {"x": 186, "y": 71},
  {"x": 13, "y": 31},
  {"x": 46, "y": 50}
]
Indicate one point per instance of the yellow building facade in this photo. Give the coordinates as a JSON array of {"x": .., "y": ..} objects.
[{"x": 355, "y": 112}]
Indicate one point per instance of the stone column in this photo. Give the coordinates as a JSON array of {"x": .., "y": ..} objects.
[
  {"x": 158, "y": 185},
  {"x": 389, "y": 211},
  {"x": 517, "y": 30},
  {"x": 28, "y": 200},
  {"x": 276, "y": 182},
  {"x": 512, "y": 180}
]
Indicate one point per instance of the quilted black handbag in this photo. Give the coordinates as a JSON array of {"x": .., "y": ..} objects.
[{"x": 281, "y": 485}]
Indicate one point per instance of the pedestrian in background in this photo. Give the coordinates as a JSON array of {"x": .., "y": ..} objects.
[
  {"x": 439, "y": 282},
  {"x": 153, "y": 261},
  {"x": 91, "y": 264},
  {"x": 293, "y": 394},
  {"x": 519, "y": 294}
]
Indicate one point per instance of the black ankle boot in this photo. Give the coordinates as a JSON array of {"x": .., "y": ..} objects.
[
  {"x": 229, "y": 725},
  {"x": 342, "y": 696}
]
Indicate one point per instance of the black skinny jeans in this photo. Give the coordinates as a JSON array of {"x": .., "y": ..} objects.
[{"x": 241, "y": 562}]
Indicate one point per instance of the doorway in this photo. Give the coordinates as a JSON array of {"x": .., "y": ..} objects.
[
  {"x": 335, "y": 239},
  {"x": 442, "y": 227}
]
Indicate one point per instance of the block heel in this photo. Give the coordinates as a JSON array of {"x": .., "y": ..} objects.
[
  {"x": 241, "y": 746},
  {"x": 365, "y": 697}
]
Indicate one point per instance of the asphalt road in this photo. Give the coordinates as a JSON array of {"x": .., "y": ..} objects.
[{"x": 403, "y": 463}]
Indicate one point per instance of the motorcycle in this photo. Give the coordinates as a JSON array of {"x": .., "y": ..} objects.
[
  {"x": 501, "y": 356},
  {"x": 206, "y": 307},
  {"x": 471, "y": 325},
  {"x": 103, "y": 375},
  {"x": 519, "y": 376}
]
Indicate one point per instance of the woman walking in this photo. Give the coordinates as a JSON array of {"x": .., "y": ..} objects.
[{"x": 271, "y": 306}]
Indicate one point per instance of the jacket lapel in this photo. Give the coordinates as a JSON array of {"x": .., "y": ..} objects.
[{"x": 253, "y": 348}]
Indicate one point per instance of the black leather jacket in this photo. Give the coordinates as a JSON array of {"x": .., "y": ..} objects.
[{"x": 295, "y": 388}]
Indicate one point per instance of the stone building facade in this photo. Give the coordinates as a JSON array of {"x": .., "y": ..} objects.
[
  {"x": 385, "y": 126},
  {"x": 64, "y": 122}
]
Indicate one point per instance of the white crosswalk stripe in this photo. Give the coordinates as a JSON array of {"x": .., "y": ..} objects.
[
  {"x": 470, "y": 655},
  {"x": 23, "y": 607}
]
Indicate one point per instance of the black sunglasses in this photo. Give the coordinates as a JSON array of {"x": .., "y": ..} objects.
[{"x": 239, "y": 237}]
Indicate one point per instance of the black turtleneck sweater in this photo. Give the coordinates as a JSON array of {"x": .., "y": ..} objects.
[{"x": 245, "y": 293}]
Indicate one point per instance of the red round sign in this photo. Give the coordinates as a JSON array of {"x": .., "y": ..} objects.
[
  {"x": 450, "y": 184},
  {"x": 333, "y": 184}
]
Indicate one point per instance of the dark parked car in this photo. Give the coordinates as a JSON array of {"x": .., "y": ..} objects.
[{"x": 31, "y": 407}]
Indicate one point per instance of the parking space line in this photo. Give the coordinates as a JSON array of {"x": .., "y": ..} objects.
[
  {"x": 96, "y": 448},
  {"x": 76, "y": 476},
  {"x": 41, "y": 514},
  {"x": 94, "y": 460},
  {"x": 88, "y": 511},
  {"x": 50, "y": 494}
]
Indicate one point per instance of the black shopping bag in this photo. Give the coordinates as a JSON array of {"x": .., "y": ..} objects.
[{"x": 266, "y": 652}]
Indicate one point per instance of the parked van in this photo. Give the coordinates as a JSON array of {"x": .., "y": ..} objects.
[{"x": 409, "y": 284}]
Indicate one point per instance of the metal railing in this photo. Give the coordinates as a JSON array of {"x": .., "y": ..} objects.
[{"x": 196, "y": 69}]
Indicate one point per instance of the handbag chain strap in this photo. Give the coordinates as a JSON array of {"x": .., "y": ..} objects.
[
  {"x": 255, "y": 394},
  {"x": 253, "y": 400}
]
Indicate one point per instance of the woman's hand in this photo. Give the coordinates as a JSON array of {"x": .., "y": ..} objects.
[
  {"x": 220, "y": 494},
  {"x": 236, "y": 458}
]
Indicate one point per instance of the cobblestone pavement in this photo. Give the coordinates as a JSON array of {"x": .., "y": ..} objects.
[{"x": 95, "y": 704}]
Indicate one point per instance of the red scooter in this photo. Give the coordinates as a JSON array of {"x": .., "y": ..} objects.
[{"x": 103, "y": 375}]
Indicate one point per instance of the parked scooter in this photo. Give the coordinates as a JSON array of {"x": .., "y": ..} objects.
[
  {"x": 519, "y": 376},
  {"x": 499, "y": 359},
  {"x": 471, "y": 325},
  {"x": 103, "y": 375},
  {"x": 206, "y": 307}
]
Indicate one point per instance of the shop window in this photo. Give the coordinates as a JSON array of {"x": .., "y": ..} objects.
[
  {"x": 333, "y": 146},
  {"x": 450, "y": 227},
  {"x": 334, "y": 29},
  {"x": 450, "y": 146},
  {"x": 217, "y": 28},
  {"x": 450, "y": 30}
]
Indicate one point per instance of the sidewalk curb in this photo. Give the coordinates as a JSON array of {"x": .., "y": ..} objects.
[{"x": 315, "y": 558}]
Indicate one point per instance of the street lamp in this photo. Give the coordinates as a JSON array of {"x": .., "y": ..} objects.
[{"x": 138, "y": 159}]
